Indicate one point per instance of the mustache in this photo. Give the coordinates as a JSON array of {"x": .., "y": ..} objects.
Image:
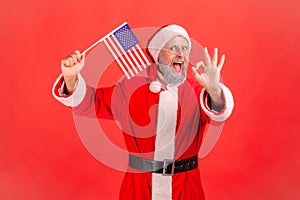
[{"x": 169, "y": 76}]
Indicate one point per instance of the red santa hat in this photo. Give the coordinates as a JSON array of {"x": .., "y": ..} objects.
[{"x": 163, "y": 35}]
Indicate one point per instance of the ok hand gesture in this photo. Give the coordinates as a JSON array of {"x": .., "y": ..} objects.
[{"x": 210, "y": 76}]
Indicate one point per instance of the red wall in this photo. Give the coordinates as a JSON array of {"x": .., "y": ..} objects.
[{"x": 41, "y": 155}]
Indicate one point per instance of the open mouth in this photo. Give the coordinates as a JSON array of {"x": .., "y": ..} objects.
[{"x": 177, "y": 66}]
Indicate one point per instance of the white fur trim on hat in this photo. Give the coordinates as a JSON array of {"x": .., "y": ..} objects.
[{"x": 160, "y": 39}]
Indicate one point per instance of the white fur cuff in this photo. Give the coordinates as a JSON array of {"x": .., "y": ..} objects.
[
  {"x": 226, "y": 111},
  {"x": 75, "y": 98}
]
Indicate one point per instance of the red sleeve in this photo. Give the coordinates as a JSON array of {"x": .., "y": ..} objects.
[{"x": 96, "y": 103}]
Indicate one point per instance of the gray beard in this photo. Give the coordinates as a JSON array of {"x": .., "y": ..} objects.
[{"x": 169, "y": 77}]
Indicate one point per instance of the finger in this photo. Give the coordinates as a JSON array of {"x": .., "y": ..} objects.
[
  {"x": 74, "y": 57},
  {"x": 65, "y": 62},
  {"x": 207, "y": 57},
  {"x": 83, "y": 57},
  {"x": 221, "y": 62},
  {"x": 70, "y": 59},
  {"x": 198, "y": 76},
  {"x": 77, "y": 53},
  {"x": 199, "y": 64},
  {"x": 215, "y": 57},
  {"x": 195, "y": 73},
  {"x": 82, "y": 61}
]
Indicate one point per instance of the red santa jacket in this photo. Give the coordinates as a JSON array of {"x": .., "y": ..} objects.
[{"x": 136, "y": 108}]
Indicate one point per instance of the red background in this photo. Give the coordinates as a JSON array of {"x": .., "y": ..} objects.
[{"x": 257, "y": 156}]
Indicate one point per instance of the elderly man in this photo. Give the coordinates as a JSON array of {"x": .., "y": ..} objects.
[{"x": 163, "y": 162}]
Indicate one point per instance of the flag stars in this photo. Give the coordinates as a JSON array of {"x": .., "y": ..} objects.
[{"x": 126, "y": 37}]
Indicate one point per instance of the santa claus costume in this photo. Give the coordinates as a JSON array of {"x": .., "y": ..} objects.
[{"x": 163, "y": 161}]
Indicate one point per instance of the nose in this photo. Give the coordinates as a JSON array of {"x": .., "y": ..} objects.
[{"x": 180, "y": 52}]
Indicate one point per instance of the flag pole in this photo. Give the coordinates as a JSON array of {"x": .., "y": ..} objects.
[{"x": 102, "y": 39}]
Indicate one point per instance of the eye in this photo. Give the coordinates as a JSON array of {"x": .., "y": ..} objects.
[
  {"x": 172, "y": 48},
  {"x": 184, "y": 48}
]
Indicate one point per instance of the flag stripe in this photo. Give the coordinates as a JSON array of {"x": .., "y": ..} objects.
[
  {"x": 135, "y": 61},
  {"x": 124, "y": 53},
  {"x": 139, "y": 57},
  {"x": 120, "y": 56},
  {"x": 143, "y": 55},
  {"x": 120, "y": 43},
  {"x": 116, "y": 58}
]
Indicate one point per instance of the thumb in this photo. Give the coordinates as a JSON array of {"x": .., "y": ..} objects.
[{"x": 82, "y": 61}]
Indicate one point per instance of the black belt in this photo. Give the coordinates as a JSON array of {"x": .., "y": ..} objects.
[{"x": 166, "y": 167}]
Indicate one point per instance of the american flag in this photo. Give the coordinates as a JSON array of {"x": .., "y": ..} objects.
[{"x": 124, "y": 47}]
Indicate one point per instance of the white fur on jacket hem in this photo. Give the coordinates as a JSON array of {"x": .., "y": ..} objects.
[
  {"x": 226, "y": 111},
  {"x": 75, "y": 98}
]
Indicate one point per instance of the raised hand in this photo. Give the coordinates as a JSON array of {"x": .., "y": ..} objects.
[
  {"x": 70, "y": 67},
  {"x": 210, "y": 76}
]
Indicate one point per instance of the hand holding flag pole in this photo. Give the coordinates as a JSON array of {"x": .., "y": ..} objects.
[{"x": 124, "y": 47}]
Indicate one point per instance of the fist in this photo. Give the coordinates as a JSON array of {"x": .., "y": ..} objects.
[{"x": 72, "y": 65}]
